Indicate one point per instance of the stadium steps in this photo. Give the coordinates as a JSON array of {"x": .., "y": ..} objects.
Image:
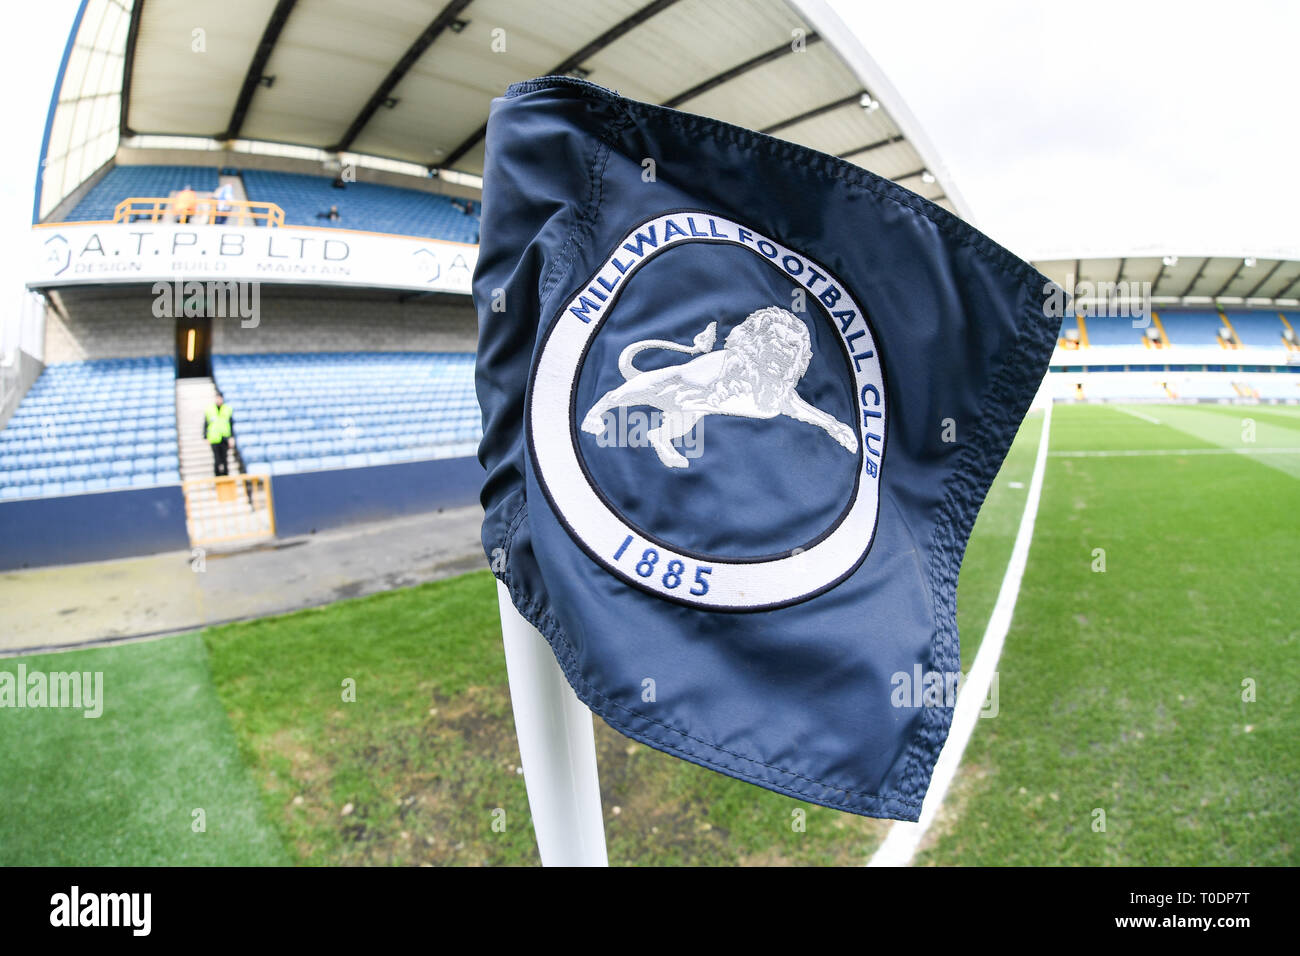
[
  {"x": 210, "y": 517},
  {"x": 193, "y": 395},
  {"x": 1235, "y": 341},
  {"x": 236, "y": 183},
  {"x": 1290, "y": 328}
]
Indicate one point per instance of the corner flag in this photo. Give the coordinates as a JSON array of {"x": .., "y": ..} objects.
[{"x": 742, "y": 402}]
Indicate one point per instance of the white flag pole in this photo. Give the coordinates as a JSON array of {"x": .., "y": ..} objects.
[{"x": 557, "y": 743}]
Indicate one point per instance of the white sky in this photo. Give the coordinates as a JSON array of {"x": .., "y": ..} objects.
[
  {"x": 30, "y": 51},
  {"x": 1112, "y": 126},
  {"x": 1109, "y": 126}
]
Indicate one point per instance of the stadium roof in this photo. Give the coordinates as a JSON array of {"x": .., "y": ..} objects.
[
  {"x": 1184, "y": 279},
  {"x": 412, "y": 81}
]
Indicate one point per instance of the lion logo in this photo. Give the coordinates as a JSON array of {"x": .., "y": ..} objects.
[{"x": 753, "y": 375}]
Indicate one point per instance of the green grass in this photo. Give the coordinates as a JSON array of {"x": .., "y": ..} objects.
[
  {"x": 1122, "y": 691},
  {"x": 427, "y": 752},
  {"x": 992, "y": 539},
  {"x": 121, "y": 789},
  {"x": 1119, "y": 691},
  {"x": 411, "y": 771}
]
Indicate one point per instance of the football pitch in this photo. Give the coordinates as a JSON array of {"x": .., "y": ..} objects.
[{"x": 1147, "y": 700}]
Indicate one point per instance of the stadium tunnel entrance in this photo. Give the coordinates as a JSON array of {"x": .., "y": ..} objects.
[{"x": 194, "y": 347}]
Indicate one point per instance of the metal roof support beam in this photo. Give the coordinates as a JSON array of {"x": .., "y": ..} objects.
[
  {"x": 435, "y": 29},
  {"x": 1155, "y": 285},
  {"x": 128, "y": 66},
  {"x": 1260, "y": 284},
  {"x": 253, "y": 78},
  {"x": 1196, "y": 278},
  {"x": 919, "y": 172},
  {"x": 739, "y": 69},
  {"x": 1241, "y": 264},
  {"x": 625, "y": 25},
  {"x": 1282, "y": 294},
  {"x": 814, "y": 113},
  {"x": 567, "y": 65},
  {"x": 879, "y": 144}
]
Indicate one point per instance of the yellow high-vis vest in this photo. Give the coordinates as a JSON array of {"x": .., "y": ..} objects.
[{"x": 218, "y": 422}]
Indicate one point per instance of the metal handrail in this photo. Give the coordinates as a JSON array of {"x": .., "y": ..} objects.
[
  {"x": 239, "y": 212},
  {"x": 228, "y": 515}
]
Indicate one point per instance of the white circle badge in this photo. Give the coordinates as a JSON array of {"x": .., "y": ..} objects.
[{"x": 767, "y": 351}]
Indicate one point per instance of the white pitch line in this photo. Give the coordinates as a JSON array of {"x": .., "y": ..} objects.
[
  {"x": 903, "y": 838},
  {"x": 1142, "y": 452},
  {"x": 1141, "y": 415}
]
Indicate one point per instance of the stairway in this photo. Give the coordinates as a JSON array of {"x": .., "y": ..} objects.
[
  {"x": 236, "y": 183},
  {"x": 193, "y": 396},
  {"x": 213, "y": 514}
]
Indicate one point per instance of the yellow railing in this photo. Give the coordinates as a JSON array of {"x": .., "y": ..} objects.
[
  {"x": 229, "y": 508},
  {"x": 240, "y": 212}
]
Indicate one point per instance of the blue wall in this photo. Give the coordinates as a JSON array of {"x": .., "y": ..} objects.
[
  {"x": 319, "y": 500},
  {"x": 94, "y": 527},
  {"x": 118, "y": 524}
]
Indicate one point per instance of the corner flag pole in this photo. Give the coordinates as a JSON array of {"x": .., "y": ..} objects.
[{"x": 557, "y": 743}]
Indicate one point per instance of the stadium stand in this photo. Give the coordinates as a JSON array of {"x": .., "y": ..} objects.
[
  {"x": 1277, "y": 386},
  {"x": 92, "y": 426},
  {"x": 1195, "y": 329},
  {"x": 1183, "y": 328},
  {"x": 1104, "y": 330},
  {"x": 313, "y": 411},
  {"x": 367, "y": 206},
  {"x": 1258, "y": 329},
  {"x": 1175, "y": 383},
  {"x": 122, "y": 182}
]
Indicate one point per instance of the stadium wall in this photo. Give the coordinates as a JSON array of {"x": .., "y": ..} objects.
[
  {"x": 16, "y": 381},
  {"x": 313, "y": 501},
  {"x": 348, "y": 321},
  {"x": 73, "y": 529},
  {"x": 107, "y": 322}
]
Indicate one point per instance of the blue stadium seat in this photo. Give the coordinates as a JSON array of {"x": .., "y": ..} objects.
[
  {"x": 123, "y": 182},
  {"x": 398, "y": 406},
  {"x": 1190, "y": 327},
  {"x": 368, "y": 206},
  {"x": 1111, "y": 330},
  {"x": 1258, "y": 329},
  {"x": 78, "y": 417}
]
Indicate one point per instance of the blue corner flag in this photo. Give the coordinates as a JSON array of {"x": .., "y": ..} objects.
[{"x": 742, "y": 401}]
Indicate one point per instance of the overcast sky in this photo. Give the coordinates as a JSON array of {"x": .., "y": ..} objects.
[
  {"x": 1108, "y": 126},
  {"x": 30, "y": 50},
  {"x": 1111, "y": 126}
]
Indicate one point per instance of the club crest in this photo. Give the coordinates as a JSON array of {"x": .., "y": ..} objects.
[
  {"x": 755, "y": 375},
  {"x": 752, "y": 376}
]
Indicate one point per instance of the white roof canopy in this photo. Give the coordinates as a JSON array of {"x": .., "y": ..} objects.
[
  {"x": 412, "y": 81},
  {"x": 1183, "y": 279}
]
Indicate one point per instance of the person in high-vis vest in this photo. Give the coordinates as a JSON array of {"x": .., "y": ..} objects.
[{"x": 219, "y": 432}]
